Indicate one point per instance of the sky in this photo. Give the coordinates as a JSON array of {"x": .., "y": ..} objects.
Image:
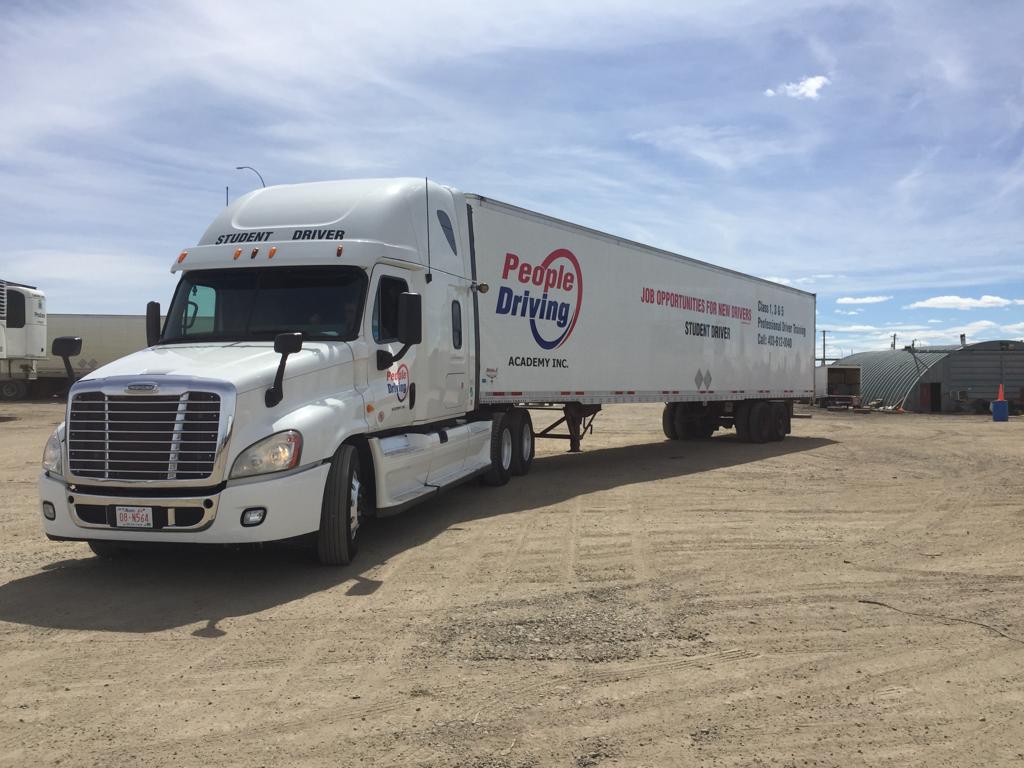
[{"x": 869, "y": 152}]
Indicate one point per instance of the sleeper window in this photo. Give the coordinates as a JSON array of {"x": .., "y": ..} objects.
[{"x": 456, "y": 325}]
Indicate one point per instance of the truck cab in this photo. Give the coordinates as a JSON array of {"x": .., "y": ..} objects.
[{"x": 316, "y": 366}]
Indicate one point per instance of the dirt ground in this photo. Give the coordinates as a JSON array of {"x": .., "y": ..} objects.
[{"x": 851, "y": 596}]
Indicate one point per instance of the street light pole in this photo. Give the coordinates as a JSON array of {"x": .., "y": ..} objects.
[{"x": 250, "y": 168}]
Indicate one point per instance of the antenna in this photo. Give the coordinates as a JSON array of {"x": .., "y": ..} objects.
[{"x": 426, "y": 197}]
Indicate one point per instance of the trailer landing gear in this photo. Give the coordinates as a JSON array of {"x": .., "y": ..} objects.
[{"x": 578, "y": 419}]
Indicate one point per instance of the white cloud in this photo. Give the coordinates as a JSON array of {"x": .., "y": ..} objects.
[
  {"x": 963, "y": 303},
  {"x": 808, "y": 88},
  {"x": 783, "y": 280},
  {"x": 862, "y": 299},
  {"x": 934, "y": 322},
  {"x": 850, "y": 312},
  {"x": 727, "y": 147}
]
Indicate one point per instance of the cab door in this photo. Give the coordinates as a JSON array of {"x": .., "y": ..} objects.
[{"x": 391, "y": 393}]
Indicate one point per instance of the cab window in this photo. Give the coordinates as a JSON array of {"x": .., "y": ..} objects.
[{"x": 385, "y": 309}]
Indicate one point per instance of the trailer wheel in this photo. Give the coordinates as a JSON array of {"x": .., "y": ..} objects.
[
  {"x": 779, "y": 419},
  {"x": 760, "y": 422},
  {"x": 684, "y": 423},
  {"x": 502, "y": 450},
  {"x": 705, "y": 427},
  {"x": 13, "y": 389},
  {"x": 524, "y": 446},
  {"x": 668, "y": 421},
  {"x": 342, "y": 510},
  {"x": 741, "y": 421}
]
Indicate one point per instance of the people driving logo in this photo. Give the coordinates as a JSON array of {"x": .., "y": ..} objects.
[
  {"x": 559, "y": 281},
  {"x": 398, "y": 382}
]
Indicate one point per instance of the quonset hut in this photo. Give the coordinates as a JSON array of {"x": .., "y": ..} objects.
[{"x": 956, "y": 379}]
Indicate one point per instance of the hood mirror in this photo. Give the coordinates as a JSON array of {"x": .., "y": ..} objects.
[{"x": 284, "y": 344}]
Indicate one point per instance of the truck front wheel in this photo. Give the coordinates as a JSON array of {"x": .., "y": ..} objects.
[{"x": 342, "y": 510}]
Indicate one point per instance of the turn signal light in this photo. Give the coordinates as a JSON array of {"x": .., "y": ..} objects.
[{"x": 181, "y": 256}]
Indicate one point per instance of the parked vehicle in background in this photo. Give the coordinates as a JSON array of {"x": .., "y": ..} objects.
[
  {"x": 837, "y": 386},
  {"x": 340, "y": 350},
  {"x": 27, "y": 367}
]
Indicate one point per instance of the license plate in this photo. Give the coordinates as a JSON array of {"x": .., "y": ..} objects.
[{"x": 134, "y": 517}]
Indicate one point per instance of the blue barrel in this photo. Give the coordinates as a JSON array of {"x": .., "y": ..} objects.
[{"x": 1000, "y": 410}]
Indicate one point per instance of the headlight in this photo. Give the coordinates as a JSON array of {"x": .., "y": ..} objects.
[
  {"x": 272, "y": 454},
  {"x": 52, "y": 454}
]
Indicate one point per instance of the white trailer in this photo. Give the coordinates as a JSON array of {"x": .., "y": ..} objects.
[
  {"x": 340, "y": 350},
  {"x": 27, "y": 365},
  {"x": 22, "y": 337}
]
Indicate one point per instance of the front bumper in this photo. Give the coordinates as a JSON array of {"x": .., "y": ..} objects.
[{"x": 292, "y": 502}]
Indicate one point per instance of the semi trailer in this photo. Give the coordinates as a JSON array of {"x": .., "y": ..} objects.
[
  {"x": 27, "y": 366},
  {"x": 335, "y": 351}
]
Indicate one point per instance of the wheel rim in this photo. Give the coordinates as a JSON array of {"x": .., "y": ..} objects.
[
  {"x": 9, "y": 389},
  {"x": 353, "y": 504},
  {"x": 506, "y": 448},
  {"x": 527, "y": 442}
]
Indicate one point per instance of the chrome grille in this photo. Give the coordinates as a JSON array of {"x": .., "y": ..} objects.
[{"x": 143, "y": 437}]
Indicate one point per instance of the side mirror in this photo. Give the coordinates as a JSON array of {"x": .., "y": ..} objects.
[
  {"x": 152, "y": 323},
  {"x": 284, "y": 344},
  {"x": 288, "y": 343},
  {"x": 410, "y": 318},
  {"x": 66, "y": 347}
]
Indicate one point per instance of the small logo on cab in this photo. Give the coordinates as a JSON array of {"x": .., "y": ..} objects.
[{"x": 140, "y": 387}]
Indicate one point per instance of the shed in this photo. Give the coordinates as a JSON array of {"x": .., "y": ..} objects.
[{"x": 942, "y": 379}]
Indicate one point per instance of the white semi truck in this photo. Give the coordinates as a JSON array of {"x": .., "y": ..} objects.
[{"x": 340, "y": 350}]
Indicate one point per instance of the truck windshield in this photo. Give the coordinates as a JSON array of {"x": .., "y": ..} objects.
[{"x": 323, "y": 303}]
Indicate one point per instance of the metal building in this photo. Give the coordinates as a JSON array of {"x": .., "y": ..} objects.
[{"x": 955, "y": 379}]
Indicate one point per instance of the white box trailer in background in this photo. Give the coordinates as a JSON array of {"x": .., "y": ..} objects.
[
  {"x": 27, "y": 367},
  {"x": 340, "y": 350}
]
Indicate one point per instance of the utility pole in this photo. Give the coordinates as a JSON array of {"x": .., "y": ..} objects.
[
  {"x": 894, "y": 341},
  {"x": 823, "y": 361}
]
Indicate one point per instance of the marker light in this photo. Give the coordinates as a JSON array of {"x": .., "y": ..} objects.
[
  {"x": 181, "y": 256},
  {"x": 272, "y": 454},
  {"x": 238, "y": 252},
  {"x": 338, "y": 254},
  {"x": 273, "y": 250},
  {"x": 254, "y": 252}
]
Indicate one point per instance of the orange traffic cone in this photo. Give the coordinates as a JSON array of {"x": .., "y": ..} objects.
[{"x": 1000, "y": 395}]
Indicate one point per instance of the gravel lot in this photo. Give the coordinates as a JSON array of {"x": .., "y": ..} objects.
[{"x": 851, "y": 596}]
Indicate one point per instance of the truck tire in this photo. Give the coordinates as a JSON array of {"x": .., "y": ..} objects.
[
  {"x": 741, "y": 421},
  {"x": 704, "y": 427},
  {"x": 502, "y": 450},
  {"x": 779, "y": 418},
  {"x": 108, "y": 550},
  {"x": 760, "y": 422},
  {"x": 668, "y": 421},
  {"x": 13, "y": 389},
  {"x": 341, "y": 513},
  {"x": 524, "y": 446},
  {"x": 684, "y": 423}
]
